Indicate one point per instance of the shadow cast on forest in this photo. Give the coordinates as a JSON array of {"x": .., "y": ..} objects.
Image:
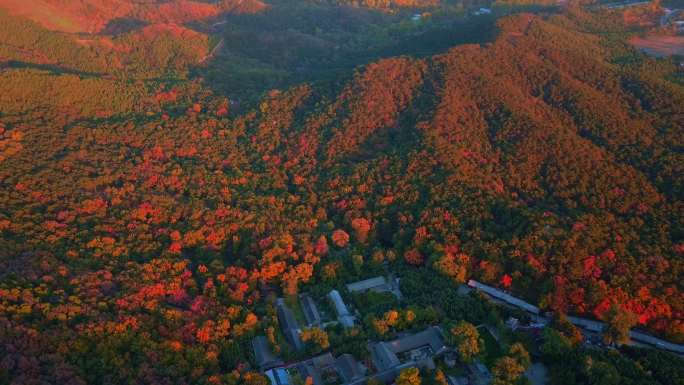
[{"x": 323, "y": 45}]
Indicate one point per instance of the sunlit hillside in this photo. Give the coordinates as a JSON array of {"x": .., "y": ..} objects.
[
  {"x": 94, "y": 16},
  {"x": 318, "y": 192}
]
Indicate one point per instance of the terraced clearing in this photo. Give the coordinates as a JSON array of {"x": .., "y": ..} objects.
[{"x": 660, "y": 46}]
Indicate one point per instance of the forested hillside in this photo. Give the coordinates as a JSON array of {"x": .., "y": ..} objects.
[
  {"x": 146, "y": 224},
  {"x": 94, "y": 16},
  {"x": 390, "y": 4}
]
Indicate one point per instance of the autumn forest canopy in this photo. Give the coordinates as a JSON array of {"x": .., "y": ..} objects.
[{"x": 168, "y": 169}]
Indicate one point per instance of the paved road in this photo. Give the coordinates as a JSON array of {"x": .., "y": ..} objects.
[
  {"x": 625, "y": 4},
  {"x": 587, "y": 326}
]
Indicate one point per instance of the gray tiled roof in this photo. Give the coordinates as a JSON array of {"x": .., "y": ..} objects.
[
  {"x": 340, "y": 307},
  {"x": 264, "y": 355},
  {"x": 289, "y": 324},
  {"x": 503, "y": 296},
  {"x": 366, "y": 284},
  {"x": 313, "y": 317},
  {"x": 385, "y": 353},
  {"x": 349, "y": 368},
  {"x": 383, "y": 357},
  {"x": 323, "y": 360},
  {"x": 343, "y": 314},
  {"x": 428, "y": 337}
]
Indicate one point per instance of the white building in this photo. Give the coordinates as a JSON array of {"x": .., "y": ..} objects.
[
  {"x": 503, "y": 296},
  {"x": 343, "y": 314}
]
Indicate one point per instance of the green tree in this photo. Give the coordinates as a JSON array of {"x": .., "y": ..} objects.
[
  {"x": 602, "y": 373},
  {"x": 555, "y": 345}
]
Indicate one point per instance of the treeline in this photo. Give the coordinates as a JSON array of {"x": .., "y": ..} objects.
[{"x": 390, "y": 4}]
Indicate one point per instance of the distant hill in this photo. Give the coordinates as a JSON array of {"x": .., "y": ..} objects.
[
  {"x": 146, "y": 51},
  {"x": 93, "y": 16},
  {"x": 388, "y": 4}
]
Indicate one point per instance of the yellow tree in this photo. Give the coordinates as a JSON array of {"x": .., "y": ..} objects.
[
  {"x": 391, "y": 317},
  {"x": 316, "y": 336},
  {"x": 408, "y": 376},
  {"x": 520, "y": 354},
  {"x": 467, "y": 340},
  {"x": 454, "y": 266},
  {"x": 440, "y": 378},
  {"x": 506, "y": 371},
  {"x": 618, "y": 324}
]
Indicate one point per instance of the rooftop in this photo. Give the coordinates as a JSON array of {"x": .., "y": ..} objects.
[
  {"x": 264, "y": 355},
  {"x": 431, "y": 337},
  {"x": 278, "y": 376},
  {"x": 383, "y": 357},
  {"x": 323, "y": 368},
  {"x": 349, "y": 368},
  {"x": 343, "y": 314},
  {"x": 288, "y": 324},
  {"x": 503, "y": 296},
  {"x": 481, "y": 375},
  {"x": 313, "y": 317},
  {"x": 385, "y": 354},
  {"x": 367, "y": 284}
]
